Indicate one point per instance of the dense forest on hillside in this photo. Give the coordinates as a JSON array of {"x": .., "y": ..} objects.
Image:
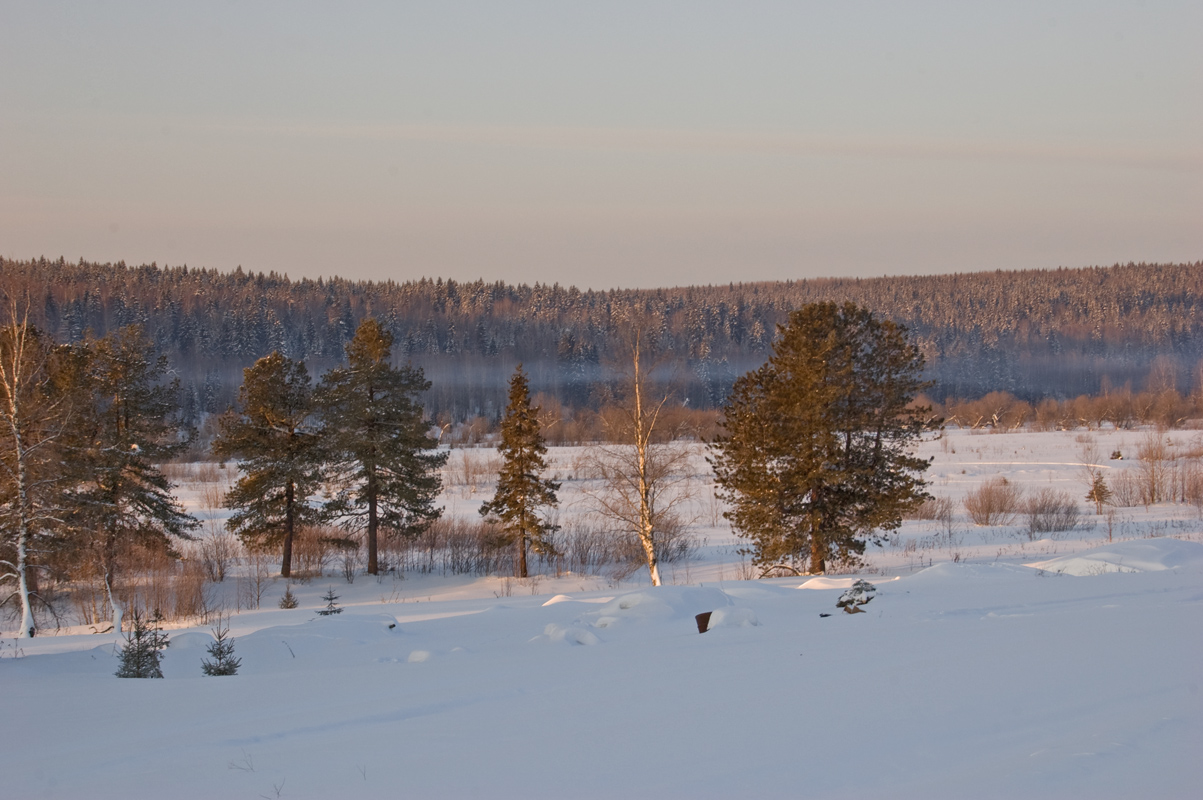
[{"x": 1035, "y": 333}]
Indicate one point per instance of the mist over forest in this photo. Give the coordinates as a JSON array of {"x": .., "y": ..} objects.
[{"x": 1033, "y": 333}]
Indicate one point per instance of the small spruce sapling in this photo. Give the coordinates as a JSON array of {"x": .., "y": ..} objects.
[
  {"x": 289, "y": 600},
  {"x": 222, "y": 652},
  {"x": 331, "y": 606},
  {"x": 140, "y": 655},
  {"x": 1099, "y": 494},
  {"x": 856, "y": 596}
]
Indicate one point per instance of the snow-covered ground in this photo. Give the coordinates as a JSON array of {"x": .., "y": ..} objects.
[{"x": 990, "y": 664}]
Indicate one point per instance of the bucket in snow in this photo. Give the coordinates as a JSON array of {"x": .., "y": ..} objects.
[{"x": 703, "y": 621}]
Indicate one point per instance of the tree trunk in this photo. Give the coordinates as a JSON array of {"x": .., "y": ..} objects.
[
  {"x": 289, "y": 526},
  {"x": 373, "y": 524}
]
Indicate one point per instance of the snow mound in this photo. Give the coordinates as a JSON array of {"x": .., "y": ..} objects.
[
  {"x": 732, "y": 617},
  {"x": 968, "y": 573},
  {"x": 570, "y": 634},
  {"x": 837, "y": 583},
  {"x": 567, "y": 598},
  {"x": 1146, "y": 555},
  {"x": 661, "y": 603}
]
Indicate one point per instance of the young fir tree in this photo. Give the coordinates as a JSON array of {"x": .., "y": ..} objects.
[
  {"x": 289, "y": 600},
  {"x": 221, "y": 650},
  {"x": 331, "y": 604},
  {"x": 816, "y": 451},
  {"x": 130, "y": 428},
  {"x": 141, "y": 654},
  {"x": 278, "y": 448},
  {"x": 382, "y": 459},
  {"x": 521, "y": 489}
]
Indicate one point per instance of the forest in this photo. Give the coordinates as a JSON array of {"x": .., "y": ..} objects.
[{"x": 1033, "y": 334}]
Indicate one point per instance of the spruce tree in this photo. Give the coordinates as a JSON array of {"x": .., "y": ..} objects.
[
  {"x": 221, "y": 650},
  {"x": 278, "y": 446},
  {"x": 521, "y": 489},
  {"x": 816, "y": 452},
  {"x": 141, "y": 654},
  {"x": 382, "y": 460},
  {"x": 331, "y": 604}
]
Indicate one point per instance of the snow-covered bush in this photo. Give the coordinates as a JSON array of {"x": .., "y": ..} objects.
[{"x": 856, "y": 596}]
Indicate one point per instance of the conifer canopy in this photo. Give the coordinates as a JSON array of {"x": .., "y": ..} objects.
[{"x": 816, "y": 454}]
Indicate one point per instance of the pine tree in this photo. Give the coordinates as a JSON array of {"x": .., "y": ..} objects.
[
  {"x": 129, "y": 429},
  {"x": 278, "y": 446},
  {"x": 141, "y": 654},
  {"x": 382, "y": 459},
  {"x": 815, "y": 454},
  {"x": 521, "y": 489},
  {"x": 221, "y": 650}
]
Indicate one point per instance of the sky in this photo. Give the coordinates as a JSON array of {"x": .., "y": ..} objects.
[{"x": 602, "y": 144}]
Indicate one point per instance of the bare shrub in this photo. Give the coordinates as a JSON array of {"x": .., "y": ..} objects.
[
  {"x": 1154, "y": 468},
  {"x": 1125, "y": 488},
  {"x": 218, "y": 550},
  {"x": 934, "y": 508},
  {"x": 1049, "y": 511},
  {"x": 995, "y": 502},
  {"x": 254, "y": 583}
]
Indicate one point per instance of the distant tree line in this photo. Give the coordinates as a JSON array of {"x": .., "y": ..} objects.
[{"x": 1035, "y": 334}]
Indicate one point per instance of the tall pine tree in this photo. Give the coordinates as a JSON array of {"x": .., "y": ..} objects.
[
  {"x": 816, "y": 452},
  {"x": 382, "y": 459},
  {"x": 521, "y": 489},
  {"x": 130, "y": 428},
  {"x": 278, "y": 446}
]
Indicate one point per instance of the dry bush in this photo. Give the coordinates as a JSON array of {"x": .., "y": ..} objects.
[
  {"x": 1049, "y": 511},
  {"x": 218, "y": 550},
  {"x": 253, "y": 584},
  {"x": 1125, "y": 488},
  {"x": 451, "y": 547},
  {"x": 934, "y": 508},
  {"x": 994, "y": 503},
  {"x": 312, "y": 550},
  {"x": 472, "y": 469},
  {"x": 1154, "y": 468}
]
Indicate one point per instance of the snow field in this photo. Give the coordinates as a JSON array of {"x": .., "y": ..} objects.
[{"x": 980, "y": 677}]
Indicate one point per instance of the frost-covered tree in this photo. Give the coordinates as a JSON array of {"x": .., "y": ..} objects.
[
  {"x": 277, "y": 443},
  {"x": 381, "y": 458},
  {"x": 521, "y": 488}
]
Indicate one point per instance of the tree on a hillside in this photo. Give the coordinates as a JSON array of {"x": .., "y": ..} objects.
[
  {"x": 33, "y": 418},
  {"x": 129, "y": 428},
  {"x": 642, "y": 470},
  {"x": 521, "y": 489},
  {"x": 817, "y": 445},
  {"x": 382, "y": 459},
  {"x": 278, "y": 447}
]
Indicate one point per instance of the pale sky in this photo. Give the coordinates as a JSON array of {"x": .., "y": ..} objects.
[{"x": 602, "y": 144}]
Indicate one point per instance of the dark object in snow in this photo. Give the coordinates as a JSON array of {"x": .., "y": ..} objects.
[
  {"x": 1117, "y": 455},
  {"x": 824, "y": 615},
  {"x": 289, "y": 600},
  {"x": 140, "y": 656},
  {"x": 703, "y": 621},
  {"x": 331, "y": 606},
  {"x": 222, "y": 651},
  {"x": 392, "y": 625},
  {"x": 856, "y": 596}
]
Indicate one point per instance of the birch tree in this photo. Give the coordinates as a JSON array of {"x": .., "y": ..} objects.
[
  {"x": 32, "y": 421},
  {"x": 643, "y": 472}
]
